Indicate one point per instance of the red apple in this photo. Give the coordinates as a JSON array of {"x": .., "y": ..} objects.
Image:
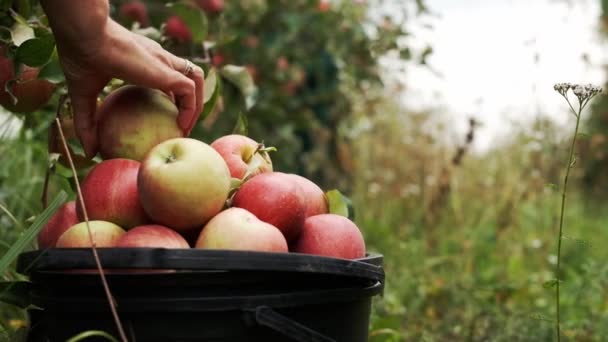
[
  {"x": 64, "y": 218},
  {"x": 274, "y": 198},
  {"x": 316, "y": 201},
  {"x": 110, "y": 193},
  {"x": 242, "y": 154},
  {"x": 177, "y": 29},
  {"x": 31, "y": 93},
  {"x": 282, "y": 63},
  {"x": 218, "y": 60},
  {"x": 135, "y": 11},
  {"x": 330, "y": 235},
  {"x": 134, "y": 119},
  {"x": 153, "y": 235},
  {"x": 105, "y": 234},
  {"x": 211, "y": 6},
  {"x": 238, "y": 229},
  {"x": 183, "y": 183}
]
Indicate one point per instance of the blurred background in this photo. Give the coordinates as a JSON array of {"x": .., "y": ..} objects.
[{"x": 437, "y": 118}]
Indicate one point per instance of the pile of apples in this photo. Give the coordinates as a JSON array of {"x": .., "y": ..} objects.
[{"x": 157, "y": 188}]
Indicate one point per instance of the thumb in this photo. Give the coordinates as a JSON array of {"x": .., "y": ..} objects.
[{"x": 84, "y": 108}]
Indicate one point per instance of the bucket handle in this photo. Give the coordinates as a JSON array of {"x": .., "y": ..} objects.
[{"x": 266, "y": 316}]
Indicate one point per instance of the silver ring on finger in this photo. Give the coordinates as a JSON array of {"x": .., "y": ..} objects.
[{"x": 188, "y": 68}]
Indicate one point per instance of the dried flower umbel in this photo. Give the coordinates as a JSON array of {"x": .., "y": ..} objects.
[{"x": 584, "y": 93}]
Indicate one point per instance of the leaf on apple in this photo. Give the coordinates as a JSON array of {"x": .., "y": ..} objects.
[
  {"x": 36, "y": 52},
  {"x": 241, "y": 78},
  {"x": 339, "y": 204},
  {"x": 194, "y": 18}
]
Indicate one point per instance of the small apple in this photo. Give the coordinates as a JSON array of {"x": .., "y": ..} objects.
[
  {"x": 135, "y": 11},
  {"x": 110, "y": 193},
  {"x": 152, "y": 235},
  {"x": 218, "y": 60},
  {"x": 211, "y": 6},
  {"x": 105, "y": 234},
  {"x": 64, "y": 218},
  {"x": 330, "y": 235},
  {"x": 176, "y": 28},
  {"x": 134, "y": 119},
  {"x": 243, "y": 155},
  {"x": 238, "y": 229},
  {"x": 282, "y": 63},
  {"x": 31, "y": 93},
  {"x": 274, "y": 198},
  {"x": 183, "y": 183},
  {"x": 316, "y": 201}
]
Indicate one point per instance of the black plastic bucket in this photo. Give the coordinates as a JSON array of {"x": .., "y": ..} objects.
[{"x": 202, "y": 295}]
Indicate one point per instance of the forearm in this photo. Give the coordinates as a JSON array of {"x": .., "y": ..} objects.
[{"x": 77, "y": 21}]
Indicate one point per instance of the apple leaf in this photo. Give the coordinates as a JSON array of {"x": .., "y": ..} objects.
[
  {"x": 37, "y": 51},
  {"x": 194, "y": 18},
  {"x": 242, "y": 124},
  {"x": 210, "y": 85},
  {"x": 338, "y": 203},
  {"x": 92, "y": 333},
  {"x": 21, "y": 32},
  {"x": 241, "y": 78},
  {"x": 52, "y": 71},
  {"x": 16, "y": 293}
]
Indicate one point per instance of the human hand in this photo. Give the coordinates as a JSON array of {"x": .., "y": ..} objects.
[{"x": 91, "y": 59}]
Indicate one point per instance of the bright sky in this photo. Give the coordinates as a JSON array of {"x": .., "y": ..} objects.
[{"x": 485, "y": 52}]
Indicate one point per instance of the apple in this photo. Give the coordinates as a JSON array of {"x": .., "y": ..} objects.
[
  {"x": 218, "y": 60},
  {"x": 110, "y": 193},
  {"x": 330, "y": 235},
  {"x": 152, "y": 235},
  {"x": 134, "y": 119},
  {"x": 238, "y": 229},
  {"x": 274, "y": 198},
  {"x": 316, "y": 201},
  {"x": 31, "y": 93},
  {"x": 243, "y": 154},
  {"x": 135, "y": 11},
  {"x": 183, "y": 183},
  {"x": 211, "y": 6},
  {"x": 64, "y": 218},
  {"x": 105, "y": 234},
  {"x": 282, "y": 63},
  {"x": 176, "y": 28}
]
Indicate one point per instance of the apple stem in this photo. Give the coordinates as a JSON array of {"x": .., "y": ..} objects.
[
  {"x": 93, "y": 246},
  {"x": 170, "y": 159}
]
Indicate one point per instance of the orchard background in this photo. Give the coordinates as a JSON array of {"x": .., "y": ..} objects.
[{"x": 468, "y": 239}]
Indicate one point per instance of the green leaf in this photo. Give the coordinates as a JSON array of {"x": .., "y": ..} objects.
[
  {"x": 36, "y": 52},
  {"x": 405, "y": 54},
  {"x": 30, "y": 233},
  {"x": 338, "y": 203},
  {"x": 16, "y": 293},
  {"x": 550, "y": 283},
  {"x": 242, "y": 125},
  {"x": 52, "y": 71},
  {"x": 193, "y": 17},
  {"x": 215, "y": 93},
  {"x": 241, "y": 78},
  {"x": 210, "y": 85},
  {"x": 21, "y": 32},
  {"x": 92, "y": 333},
  {"x": 24, "y": 7}
]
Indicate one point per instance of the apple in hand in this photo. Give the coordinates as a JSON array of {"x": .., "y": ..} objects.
[
  {"x": 316, "y": 201},
  {"x": 64, "y": 218},
  {"x": 105, "y": 234},
  {"x": 238, "y": 229},
  {"x": 332, "y": 236},
  {"x": 152, "y": 235},
  {"x": 110, "y": 193},
  {"x": 243, "y": 154},
  {"x": 275, "y": 198},
  {"x": 183, "y": 183},
  {"x": 133, "y": 119}
]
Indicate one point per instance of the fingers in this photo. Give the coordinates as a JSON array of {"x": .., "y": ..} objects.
[
  {"x": 84, "y": 122},
  {"x": 187, "y": 120}
]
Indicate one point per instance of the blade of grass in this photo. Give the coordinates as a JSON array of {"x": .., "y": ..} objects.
[{"x": 92, "y": 333}]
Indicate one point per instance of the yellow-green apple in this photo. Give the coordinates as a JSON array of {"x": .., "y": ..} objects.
[
  {"x": 330, "y": 235},
  {"x": 183, "y": 183},
  {"x": 152, "y": 235},
  {"x": 110, "y": 193},
  {"x": 238, "y": 229},
  {"x": 31, "y": 93},
  {"x": 275, "y": 198},
  {"x": 104, "y": 234},
  {"x": 211, "y": 6},
  {"x": 243, "y": 155},
  {"x": 176, "y": 28},
  {"x": 133, "y": 119},
  {"x": 316, "y": 201},
  {"x": 64, "y": 218}
]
